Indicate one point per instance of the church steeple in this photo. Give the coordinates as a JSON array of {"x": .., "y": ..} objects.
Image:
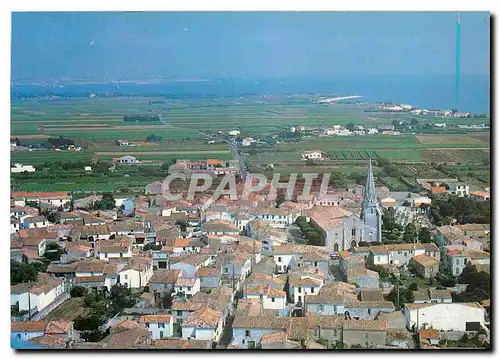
[
  {"x": 370, "y": 196},
  {"x": 371, "y": 214}
]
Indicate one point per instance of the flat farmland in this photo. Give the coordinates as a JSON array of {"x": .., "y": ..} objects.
[
  {"x": 479, "y": 139},
  {"x": 455, "y": 155}
]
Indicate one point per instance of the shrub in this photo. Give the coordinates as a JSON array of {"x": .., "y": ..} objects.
[{"x": 76, "y": 292}]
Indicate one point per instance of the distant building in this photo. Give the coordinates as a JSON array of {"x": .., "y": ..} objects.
[
  {"x": 312, "y": 155},
  {"x": 125, "y": 159},
  {"x": 19, "y": 168},
  {"x": 480, "y": 196},
  {"x": 234, "y": 133},
  {"x": 461, "y": 190}
]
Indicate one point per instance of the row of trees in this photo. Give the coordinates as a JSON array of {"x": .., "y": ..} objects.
[
  {"x": 462, "y": 209},
  {"x": 154, "y": 138},
  {"x": 141, "y": 118}
]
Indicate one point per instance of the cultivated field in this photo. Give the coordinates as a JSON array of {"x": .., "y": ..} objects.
[{"x": 96, "y": 124}]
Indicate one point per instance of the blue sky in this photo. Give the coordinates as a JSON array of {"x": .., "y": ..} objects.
[{"x": 242, "y": 44}]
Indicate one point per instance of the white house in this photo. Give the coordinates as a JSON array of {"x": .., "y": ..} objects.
[
  {"x": 312, "y": 155},
  {"x": 160, "y": 326},
  {"x": 234, "y": 133},
  {"x": 461, "y": 190},
  {"x": 35, "y": 222},
  {"x": 277, "y": 217},
  {"x": 137, "y": 273},
  {"x": 270, "y": 298},
  {"x": 203, "y": 324},
  {"x": 302, "y": 286},
  {"x": 19, "y": 168},
  {"x": 126, "y": 159},
  {"x": 466, "y": 316},
  {"x": 247, "y": 141},
  {"x": 117, "y": 248},
  {"x": 87, "y": 168},
  {"x": 189, "y": 286},
  {"x": 37, "y": 296}
]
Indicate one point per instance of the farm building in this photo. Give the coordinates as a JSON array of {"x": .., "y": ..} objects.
[
  {"x": 312, "y": 155},
  {"x": 125, "y": 159},
  {"x": 234, "y": 133},
  {"x": 19, "y": 168}
]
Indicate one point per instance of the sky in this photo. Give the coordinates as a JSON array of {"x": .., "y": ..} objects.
[{"x": 135, "y": 45}]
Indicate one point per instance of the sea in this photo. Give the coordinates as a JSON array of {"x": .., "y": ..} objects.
[{"x": 421, "y": 91}]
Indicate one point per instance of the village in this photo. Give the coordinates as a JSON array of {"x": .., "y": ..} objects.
[{"x": 113, "y": 271}]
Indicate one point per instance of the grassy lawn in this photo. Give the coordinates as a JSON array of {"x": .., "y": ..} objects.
[{"x": 69, "y": 310}]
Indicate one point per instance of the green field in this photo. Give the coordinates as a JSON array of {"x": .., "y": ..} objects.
[{"x": 96, "y": 124}]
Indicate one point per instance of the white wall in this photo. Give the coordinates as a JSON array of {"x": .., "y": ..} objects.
[
  {"x": 156, "y": 332},
  {"x": 279, "y": 303},
  {"x": 192, "y": 291},
  {"x": 304, "y": 291},
  {"x": 285, "y": 261},
  {"x": 445, "y": 316}
]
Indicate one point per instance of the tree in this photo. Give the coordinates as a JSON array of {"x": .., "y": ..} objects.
[
  {"x": 424, "y": 235},
  {"x": 121, "y": 297},
  {"x": 107, "y": 202},
  {"x": 154, "y": 138},
  {"x": 410, "y": 233},
  {"x": 413, "y": 286},
  {"x": 18, "y": 142},
  {"x": 78, "y": 291},
  {"x": 349, "y": 126},
  {"x": 22, "y": 273},
  {"x": 53, "y": 251},
  {"x": 414, "y": 122}
]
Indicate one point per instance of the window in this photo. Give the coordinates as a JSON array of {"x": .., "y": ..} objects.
[
  {"x": 226, "y": 270},
  {"x": 121, "y": 255},
  {"x": 105, "y": 255},
  {"x": 183, "y": 248},
  {"x": 161, "y": 325},
  {"x": 300, "y": 289},
  {"x": 457, "y": 261},
  {"x": 161, "y": 334},
  {"x": 273, "y": 299},
  {"x": 335, "y": 332},
  {"x": 312, "y": 289},
  {"x": 279, "y": 259},
  {"x": 299, "y": 299},
  {"x": 192, "y": 248},
  {"x": 353, "y": 231},
  {"x": 320, "y": 307},
  {"x": 189, "y": 288},
  {"x": 247, "y": 333},
  {"x": 315, "y": 264},
  {"x": 456, "y": 270},
  {"x": 147, "y": 325},
  {"x": 369, "y": 311},
  {"x": 179, "y": 313},
  {"x": 125, "y": 276}
]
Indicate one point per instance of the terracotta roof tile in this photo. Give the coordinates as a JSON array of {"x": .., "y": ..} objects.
[
  {"x": 30, "y": 326},
  {"x": 163, "y": 318}
]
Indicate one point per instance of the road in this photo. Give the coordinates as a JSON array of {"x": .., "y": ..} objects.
[{"x": 233, "y": 146}]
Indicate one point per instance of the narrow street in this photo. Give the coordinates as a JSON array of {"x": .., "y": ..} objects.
[{"x": 227, "y": 334}]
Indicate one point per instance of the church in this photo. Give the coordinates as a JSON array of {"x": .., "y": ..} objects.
[{"x": 344, "y": 229}]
